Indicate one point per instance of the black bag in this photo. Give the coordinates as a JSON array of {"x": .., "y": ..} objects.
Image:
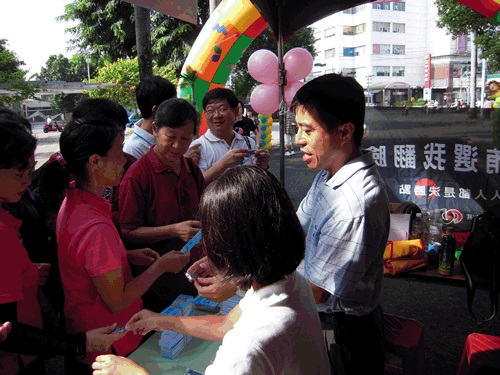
[{"x": 480, "y": 258}]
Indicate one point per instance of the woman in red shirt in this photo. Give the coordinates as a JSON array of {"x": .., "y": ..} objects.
[
  {"x": 97, "y": 282},
  {"x": 19, "y": 277}
]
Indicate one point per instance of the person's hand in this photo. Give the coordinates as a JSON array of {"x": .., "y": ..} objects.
[
  {"x": 202, "y": 268},
  {"x": 143, "y": 322},
  {"x": 214, "y": 289},
  {"x": 194, "y": 153},
  {"x": 100, "y": 339},
  {"x": 234, "y": 157},
  {"x": 43, "y": 272},
  {"x": 142, "y": 257},
  {"x": 4, "y": 330},
  {"x": 262, "y": 158},
  {"x": 110, "y": 364},
  {"x": 187, "y": 229},
  {"x": 174, "y": 261}
]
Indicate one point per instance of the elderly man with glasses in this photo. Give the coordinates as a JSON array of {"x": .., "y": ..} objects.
[{"x": 221, "y": 147}]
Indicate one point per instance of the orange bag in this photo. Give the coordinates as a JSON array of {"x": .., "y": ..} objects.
[{"x": 404, "y": 256}]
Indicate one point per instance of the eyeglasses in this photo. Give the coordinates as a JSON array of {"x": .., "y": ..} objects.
[{"x": 221, "y": 111}]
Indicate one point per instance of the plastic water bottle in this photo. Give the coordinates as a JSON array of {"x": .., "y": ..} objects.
[
  {"x": 447, "y": 255},
  {"x": 417, "y": 227},
  {"x": 435, "y": 233}
]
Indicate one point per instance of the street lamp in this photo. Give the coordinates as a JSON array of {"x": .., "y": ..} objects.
[{"x": 87, "y": 60}]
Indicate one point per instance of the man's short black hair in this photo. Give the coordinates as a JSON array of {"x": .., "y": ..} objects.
[
  {"x": 250, "y": 229},
  {"x": 153, "y": 91},
  {"x": 335, "y": 100},
  {"x": 220, "y": 93}
]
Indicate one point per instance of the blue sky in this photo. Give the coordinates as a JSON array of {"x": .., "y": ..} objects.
[{"x": 32, "y": 32}]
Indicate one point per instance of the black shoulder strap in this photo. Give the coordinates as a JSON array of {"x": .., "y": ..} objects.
[{"x": 247, "y": 142}]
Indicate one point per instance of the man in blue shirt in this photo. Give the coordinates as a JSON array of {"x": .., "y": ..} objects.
[{"x": 346, "y": 217}]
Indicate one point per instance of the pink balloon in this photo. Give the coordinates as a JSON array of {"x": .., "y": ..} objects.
[
  {"x": 298, "y": 63},
  {"x": 290, "y": 90},
  {"x": 265, "y": 98},
  {"x": 263, "y": 66}
]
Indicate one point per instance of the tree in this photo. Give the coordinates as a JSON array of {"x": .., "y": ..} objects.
[
  {"x": 12, "y": 77},
  {"x": 125, "y": 76},
  {"x": 106, "y": 31},
  {"x": 60, "y": 68},
  {"x": 459, "y": 19},
  {"x": 243, "y": 82}
]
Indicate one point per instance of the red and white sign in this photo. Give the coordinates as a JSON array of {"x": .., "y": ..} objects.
[{"x": 427, "y": 70}]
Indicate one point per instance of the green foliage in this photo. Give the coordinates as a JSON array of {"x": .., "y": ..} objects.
[
  {"x": 243, "y": 83},
  {"x": 106, "y": 31},
  {"x": 125, "y": 76},
  {"x": 60, "y": 68},
  {"x": 12, "y": 77},
  {"x": 459, "y": 19}
]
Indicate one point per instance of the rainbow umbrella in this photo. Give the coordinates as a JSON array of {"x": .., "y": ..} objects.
[{"x": 488, "y": 8}]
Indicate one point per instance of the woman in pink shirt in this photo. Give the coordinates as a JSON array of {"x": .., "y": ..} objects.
[
  {"x": 19, "y": 278},
  {"x": 97, "y": 281}
]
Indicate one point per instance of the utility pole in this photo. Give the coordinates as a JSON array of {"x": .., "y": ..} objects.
[
  {"x": 368, "y": 82},
  {"x": 473, "y": 70}
]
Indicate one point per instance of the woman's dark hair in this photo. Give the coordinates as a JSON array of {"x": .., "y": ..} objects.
[
  {"x": 82, "y": 138},
  {"x": 175, "y": 113},
  {"x": 16, "y": 145},
  {"x": 103, "y": 109},
  {"x": 8, "y": 114},
  {"x": 250, "y": 229}
]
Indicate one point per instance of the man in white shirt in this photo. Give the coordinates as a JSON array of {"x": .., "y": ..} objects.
[
  {"x": 221, "y": 147},
  {"x": 150, "y": 93}
]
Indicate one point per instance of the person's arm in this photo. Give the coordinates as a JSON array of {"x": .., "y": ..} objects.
[
  {"x": 25, "y": 339},
  {"x": 147, "y": 235},
  {"x": 230, "y": 159},
  {"x": 110, "y": 364},
  {"x": 117, "y": 295},
  {"x": 320, "y": 295},
  {"x": 207, "y": 327}
]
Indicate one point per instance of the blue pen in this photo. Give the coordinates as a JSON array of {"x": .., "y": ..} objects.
[{"x": 191, "y": 243}]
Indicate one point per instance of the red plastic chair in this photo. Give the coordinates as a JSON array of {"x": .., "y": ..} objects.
[
  {"x": 480, "y": 351},
  {"x": 404, "y": 338}
]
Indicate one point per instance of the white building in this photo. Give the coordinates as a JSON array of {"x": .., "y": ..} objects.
[{"x": 386, "y": 46}]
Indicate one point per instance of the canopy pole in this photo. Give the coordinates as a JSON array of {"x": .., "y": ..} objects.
[{"x": 282, "y": 83}]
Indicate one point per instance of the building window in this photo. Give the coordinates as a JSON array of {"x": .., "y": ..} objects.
[
  {"x": 329, "y": 32},
  {"x": 359, "y": 29},
  {"x": 398, "y": 28},
  {"x": 382, "y": 71},
  {"x": 401, "y": 6},
  {"x": 354, "y": 10},
  {"x": 348, "y": 30},
  {"x": 317, "y": 35},
  {"x": 349, "y": 51},
  {"x": 329, "y": 53},
  {"x": 381, "y": 49},
  {"x": 359, "y": 51},
  {"x": 383, "y": 27},
  {"x": 398, "y": 49},
  {"x": 398, "y": 71},
  {"x": 382, "y": 6},
  {"x": 351, "y": 72}
]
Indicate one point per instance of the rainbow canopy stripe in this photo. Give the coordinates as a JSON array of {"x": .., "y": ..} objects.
[{"x": 488, "y": 8}]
